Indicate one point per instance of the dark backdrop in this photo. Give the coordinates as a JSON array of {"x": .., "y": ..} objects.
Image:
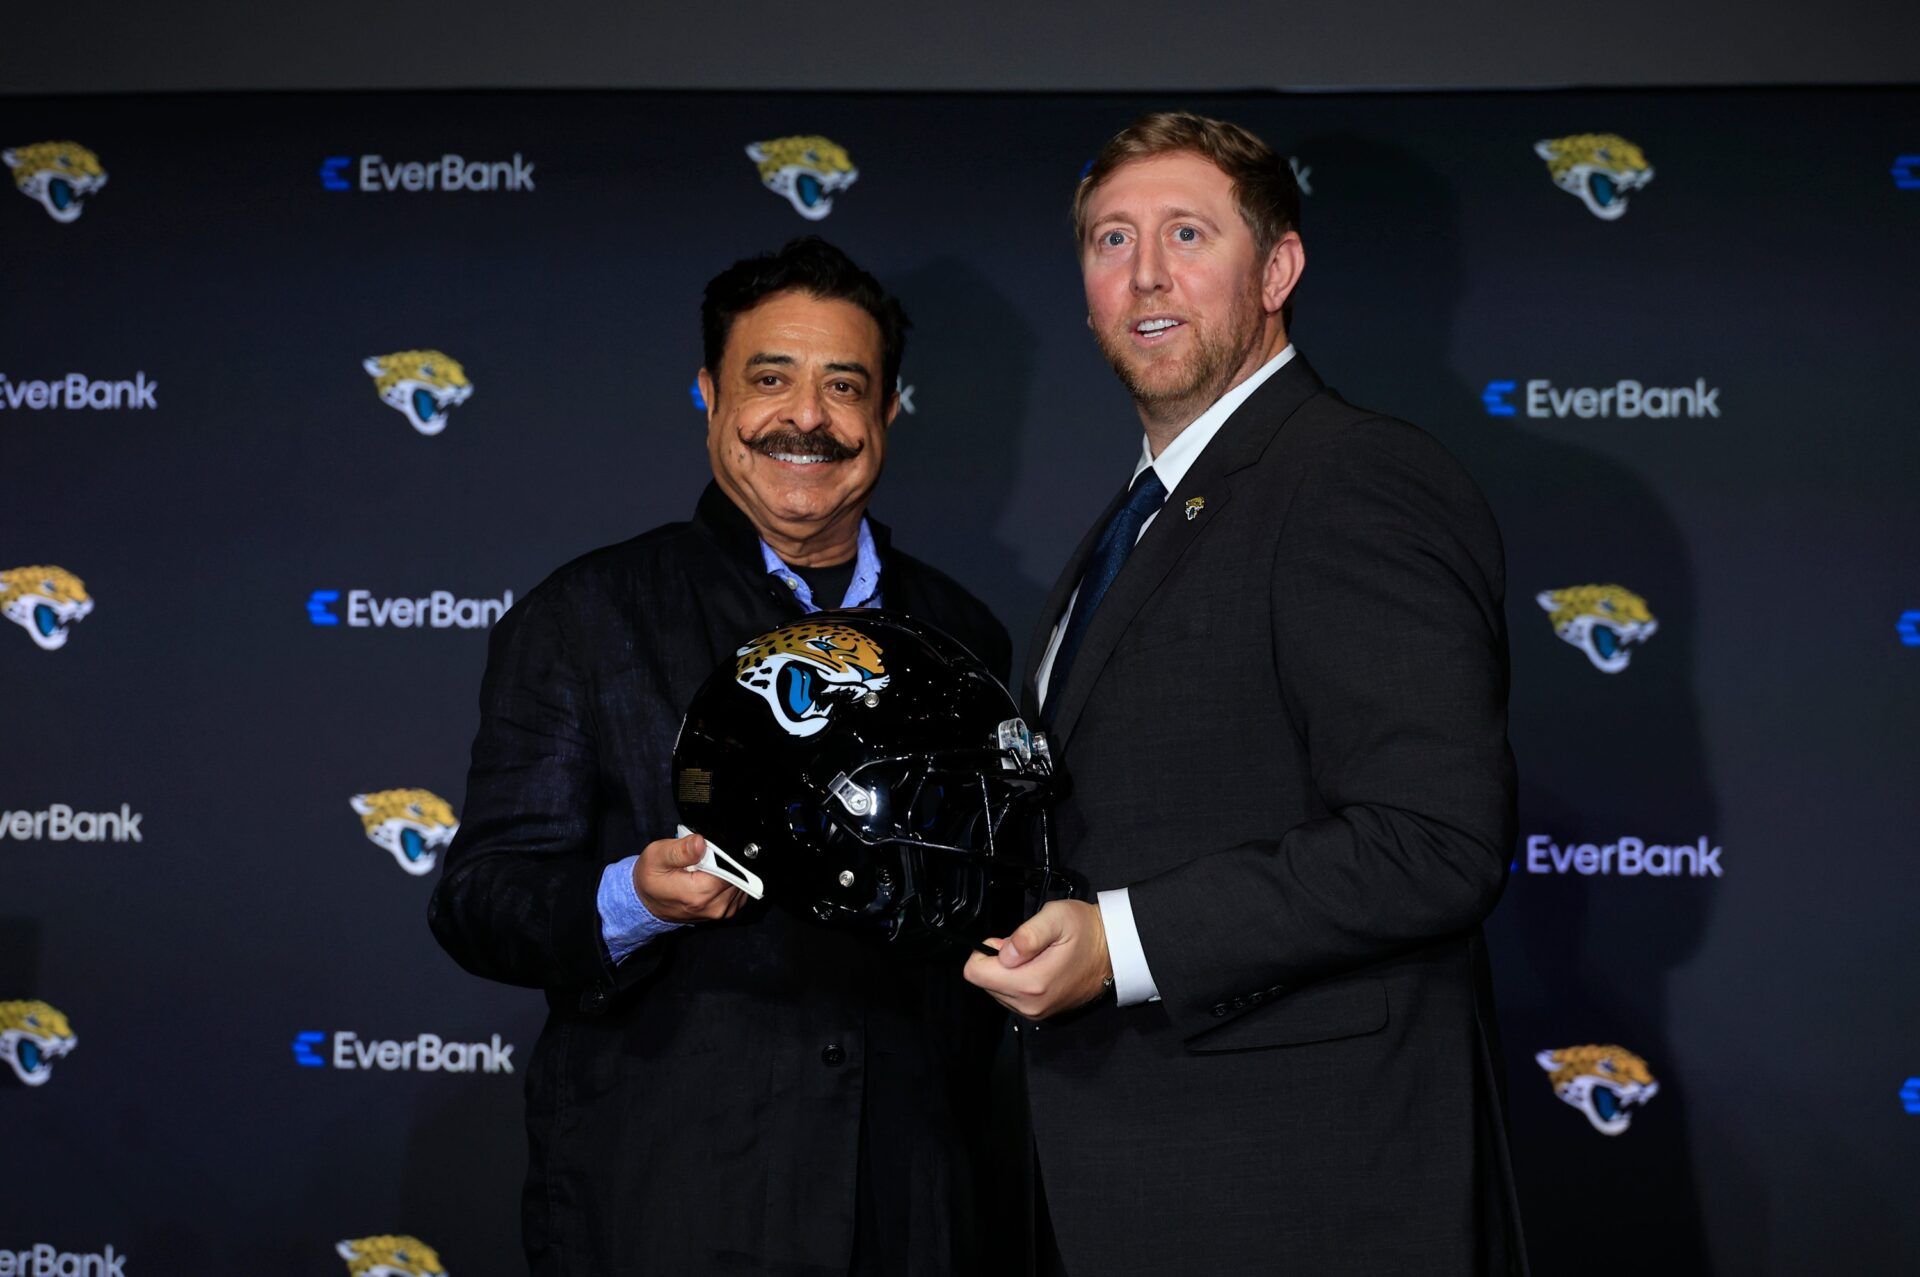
[{"x": 1771, "y": 712}]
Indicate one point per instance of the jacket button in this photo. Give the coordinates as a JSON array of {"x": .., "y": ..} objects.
[
  {"x": 1257, "y": 995},
  {"x": 833, "y": 1057},
  {"x": 593, "y": 1000},
  {"x": 1220, "y": 1010}
]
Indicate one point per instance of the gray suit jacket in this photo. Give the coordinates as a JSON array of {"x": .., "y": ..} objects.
[{"x": 1285, "y": 731}]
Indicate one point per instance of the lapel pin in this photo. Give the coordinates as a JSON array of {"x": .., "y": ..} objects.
[{"x": 1194, "y": 506}]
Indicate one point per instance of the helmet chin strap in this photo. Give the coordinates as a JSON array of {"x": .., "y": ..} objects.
[{"x": 727, "y": 869}]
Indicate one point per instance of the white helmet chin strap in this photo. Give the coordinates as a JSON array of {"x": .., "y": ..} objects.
[{"x": 724, "y": 867}]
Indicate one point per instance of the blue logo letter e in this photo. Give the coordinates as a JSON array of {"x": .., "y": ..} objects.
[
  {"x": 330, "y": 172},
  {"x": 1495, "y": 398},
  {"x": 317, "y": 610},
  {"x": 303, "y": 1052}
]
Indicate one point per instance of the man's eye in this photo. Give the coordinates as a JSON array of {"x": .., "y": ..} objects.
[
  {"x": 1186, "y": 234},
  {"x": 1114, "y": 239}
]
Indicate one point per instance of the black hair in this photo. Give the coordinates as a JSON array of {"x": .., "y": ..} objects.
[{"x": 809, "y": 265}]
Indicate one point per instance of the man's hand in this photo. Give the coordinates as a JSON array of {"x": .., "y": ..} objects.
[
  {"x": 673, "y": 891},
  {"x": 1056, "y": 961}
]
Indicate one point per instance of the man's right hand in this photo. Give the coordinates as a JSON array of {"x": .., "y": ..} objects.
[{"x": 673, "y": 892}]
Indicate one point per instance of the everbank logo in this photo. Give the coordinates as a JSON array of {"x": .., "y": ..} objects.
[
  {"x": 372, "y": 174},
  {"x": 1626, "y": 398},
  {"x": 77, "y": 391},
  {"x": 61, "y": 823},
  {"x": 46, "y": 1260},
  {"x": 1627, "y": 858},
  {"x": 439, "y": 610},
  {"x": 427, "y": 1053}
]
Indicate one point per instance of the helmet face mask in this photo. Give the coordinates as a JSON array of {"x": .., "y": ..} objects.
[
  {"x": 940, "y": 843},
  {"x": 875, "y": 776}
]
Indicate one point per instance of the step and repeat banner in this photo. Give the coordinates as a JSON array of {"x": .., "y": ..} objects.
[{"x": 298, "y": 393}]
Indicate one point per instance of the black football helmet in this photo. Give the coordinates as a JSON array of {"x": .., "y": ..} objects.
[{"x": 863, "y": 769}]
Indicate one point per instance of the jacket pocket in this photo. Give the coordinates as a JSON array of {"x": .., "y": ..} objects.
[{"x": 1323, "y": 1012}]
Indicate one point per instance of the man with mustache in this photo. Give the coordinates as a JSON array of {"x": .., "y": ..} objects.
[
  {"x": 1275, "y": 674},
  {"x": 719, "y": 1088}
]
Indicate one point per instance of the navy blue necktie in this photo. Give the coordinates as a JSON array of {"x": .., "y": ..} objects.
[{"x": 1109, "y": 555}]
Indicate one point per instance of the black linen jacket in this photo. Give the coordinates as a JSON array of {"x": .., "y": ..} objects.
[{"x": 698, "y": 1107}]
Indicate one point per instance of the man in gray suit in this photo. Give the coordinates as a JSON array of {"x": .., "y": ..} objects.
[{"x": 1275, "y": 672}]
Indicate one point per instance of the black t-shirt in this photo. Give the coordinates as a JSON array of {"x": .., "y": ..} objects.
[{"x": 829, "y": 584}]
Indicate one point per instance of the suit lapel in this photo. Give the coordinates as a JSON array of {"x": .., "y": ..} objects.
[
  {"x": 1240, "y": 443},
  {"x": 1053, "y": 614}
]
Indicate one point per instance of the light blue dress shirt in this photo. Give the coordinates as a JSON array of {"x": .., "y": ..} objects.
[{"x": 625, "y": 921}]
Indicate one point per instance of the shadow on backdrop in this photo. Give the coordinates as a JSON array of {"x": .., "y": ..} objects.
[
  {"x": 1577, "y": 960},
  {"x": 948, "y": 481}
]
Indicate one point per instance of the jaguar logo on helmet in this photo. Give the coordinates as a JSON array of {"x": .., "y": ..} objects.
[
  {"x": 865, "y": 771},
  {"x": 801, "y": 671}
]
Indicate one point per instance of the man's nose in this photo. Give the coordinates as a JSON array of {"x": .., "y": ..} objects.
[
  {"x": 1149, "y": 269},
  {"x": 807, "y": 410}
]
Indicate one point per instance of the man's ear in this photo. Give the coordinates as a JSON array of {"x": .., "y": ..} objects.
[
  {"x": 893, "y": 407},
  {"x": 1285, "y": 262},
  {"x": 704, "y": 380}
]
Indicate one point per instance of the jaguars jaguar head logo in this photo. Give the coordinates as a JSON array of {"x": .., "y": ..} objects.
[
  {"x": 44, "y": 601},
  {"x": 32, "y": 1036},
  {"x": 389, "y": 1256},
  {"x": 802, "y": 670},
  {"x": 1600, "y": 168},
  {"x": 60, "y": 175},
  {"x": 412, "y": 824},
  {"x": 423, "y": 386},
  {"x": 806, "y": 170},
  {"x": 1604, "y": 621},
  {"x": 1604, "y": 1082}
]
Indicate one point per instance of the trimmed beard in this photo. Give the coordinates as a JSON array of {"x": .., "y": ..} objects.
[{"x": 1203, "y": 376}]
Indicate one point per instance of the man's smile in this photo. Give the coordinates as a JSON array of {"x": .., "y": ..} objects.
[{"x": 1155, "y": 330}]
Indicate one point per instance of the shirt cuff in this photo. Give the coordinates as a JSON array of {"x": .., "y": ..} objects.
[
  {"x": 1132, "y": 981},
  {"x": 625, "y": 921}
]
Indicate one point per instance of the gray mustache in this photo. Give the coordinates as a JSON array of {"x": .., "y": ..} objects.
[{"x": 815, "y": 444}]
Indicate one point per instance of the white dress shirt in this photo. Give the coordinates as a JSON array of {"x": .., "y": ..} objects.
[{"x": 1132, "y": 981}]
